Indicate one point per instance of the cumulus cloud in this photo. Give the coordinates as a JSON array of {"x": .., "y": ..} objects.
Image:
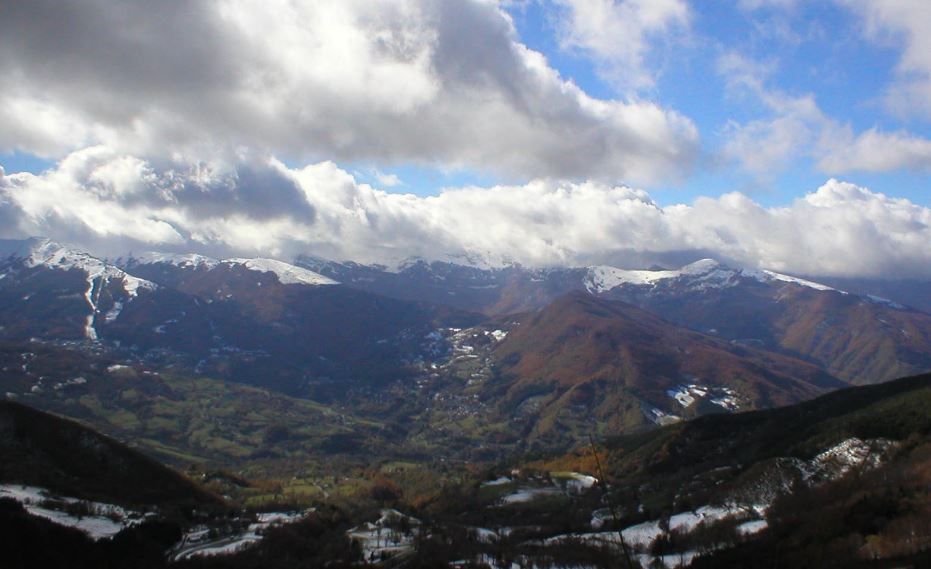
[
  {"x": 794, "y": 126},
  {"x": 617, "y": 34},
  {"x": 876, "y": 151},
  {"x": 435, "y": 82},
  {"x": 905, "y": 23},
  {"x": 115, "y": 202}
]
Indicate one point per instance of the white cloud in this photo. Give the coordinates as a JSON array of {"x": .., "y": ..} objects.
[
  {"x": 113, "y": 203},
  {"x": 618, "y": 34},
  {"x": 443, "y": 83},
  {"x": 795, "y": 126},
  {"x": 876, "y": 151},
  {"x": 387, "y": 180},
  {"x": 905, "y": 23}
]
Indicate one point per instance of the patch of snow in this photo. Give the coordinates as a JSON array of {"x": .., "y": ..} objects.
[
  {"x": 114, "y": 312},
  {"x": 190, "y": 260},
  {"x": 703, "y": 274},
  {"x": 106, "y": 521},
  {"x": 70, "y": 382},
  {"x": 286, "y": 273},
  {"x": 843, "y": 457},
  {"x": 660, "y": 417},
  {"x": 575, "y": 482},
  {"x": 688, "y": 394},
  {"x": 886, "y": 301},
  {"x": 669, "y": 561},
  {"x": 498, "y": 335},
  {"x": 681, "y": 394},
  {"x": 752, "y": 527},
  {"x": 524, "y": 495},
  {"x": 766, "y": 276},
  {"x": 198, "y": 543},
  {"x": 497, "y": 482},
  {"x": 382, "y": 539}
]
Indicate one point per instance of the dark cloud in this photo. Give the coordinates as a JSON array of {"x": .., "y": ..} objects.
[{"x": 440, "y": 82}]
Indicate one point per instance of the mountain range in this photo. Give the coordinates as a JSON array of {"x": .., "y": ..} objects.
[{"x": 295, "y": 327}]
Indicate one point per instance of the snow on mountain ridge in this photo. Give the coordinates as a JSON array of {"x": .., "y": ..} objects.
[
  {"x": 38, "y": 252},
  {"x": 708, "y": 272},
  {"x": 184, "y": 260},
  {"x": 705, "y": 273},
  {"x": 286, "y": 273}
]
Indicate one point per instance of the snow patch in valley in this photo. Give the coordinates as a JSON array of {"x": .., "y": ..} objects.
[
  {"x": 524, "y": 495},
  {"x": 658, "y": 416},
  {"x": 104, "y": 520},
  {"x": 198, "y": 541},
  {"x": 392, "y": 534},
  {"x": 498, "y": 335},
  {"x": 687, "y": 394}
]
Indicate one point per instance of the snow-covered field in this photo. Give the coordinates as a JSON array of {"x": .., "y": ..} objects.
[
  {"x": 103, "y": 521},
  {"x": 688, "y": 394},
  {"x": 392, "y": 534},
  {"x": 524, "y": 495},
  {"x": 200, "y": 542}
]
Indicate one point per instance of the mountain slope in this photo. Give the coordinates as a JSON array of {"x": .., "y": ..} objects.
[
  {"x": 43, "y": 450},
  {"x": 309, "y": 325},
  {"x": 257, "y": 321},
  {"x": 50, "y": 289},
  {"x": 492, "y": 291},
  {"x": 587, "y": 359},
  {"x": 857, "y": 339}
]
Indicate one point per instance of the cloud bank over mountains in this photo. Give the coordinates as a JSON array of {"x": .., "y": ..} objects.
[
  {"x": 229, "y": 127},
  {"x": 259, "y": 206}
]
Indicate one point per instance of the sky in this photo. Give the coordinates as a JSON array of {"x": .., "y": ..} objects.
[{"x": 777, "y": 134}]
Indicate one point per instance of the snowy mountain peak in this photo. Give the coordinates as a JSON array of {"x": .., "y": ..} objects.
[
  {"x": 701, "y": 267},
  {"x": 702, "y": 274},
  {"x": 35, "y": 252},
  {"x": 190, "y": 260},
  {"x": 604, "y": 278},
  {"x": 40, "y": 252},
  {"x": 286, "y": 273}
]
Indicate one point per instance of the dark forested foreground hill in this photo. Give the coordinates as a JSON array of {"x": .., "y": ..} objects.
[{"x": 40, "y": 449}]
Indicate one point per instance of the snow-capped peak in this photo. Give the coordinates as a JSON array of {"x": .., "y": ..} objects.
[
  {"x": 190, "y": 260},
  {"x": 36, "y": 252},
  {"x": 286, "y": 273},
  {"x": 705, "y": 273},
  {"x": 701, "y": 267},
  {"x": 604, "y": 278}
]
